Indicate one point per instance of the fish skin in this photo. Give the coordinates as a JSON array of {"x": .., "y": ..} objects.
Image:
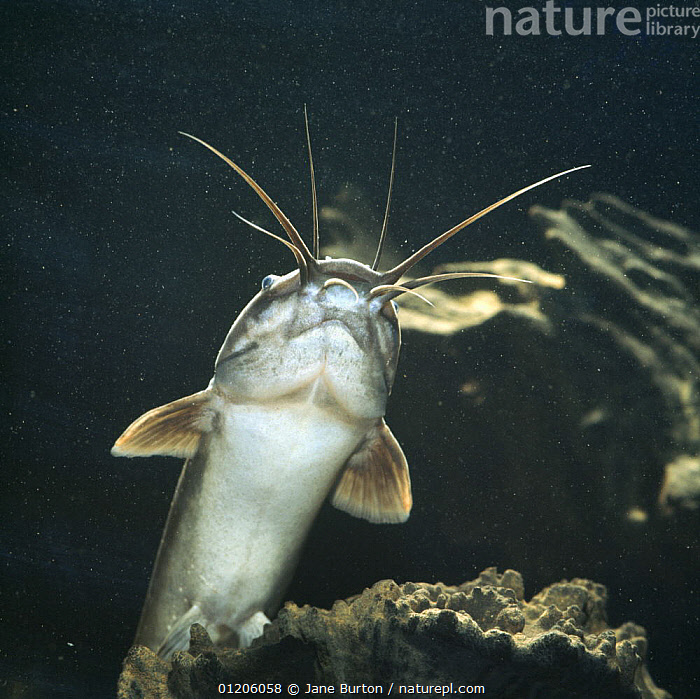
[{"x": 300, "y": 385}]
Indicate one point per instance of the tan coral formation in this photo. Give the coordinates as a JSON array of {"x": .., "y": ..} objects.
[
  {"x": 482, "y": 632},
  {"x": 452, "y": 312},
  {"x": 631, "y": 286},
  {"x": 647, "y": 270}
]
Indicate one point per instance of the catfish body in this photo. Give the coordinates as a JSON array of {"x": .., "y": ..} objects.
[{"x": 297, "y": 399}]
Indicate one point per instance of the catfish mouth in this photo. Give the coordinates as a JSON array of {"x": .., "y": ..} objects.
[
  {"x": 333, "y": 328},
  {"x": 335, "y": 323}
]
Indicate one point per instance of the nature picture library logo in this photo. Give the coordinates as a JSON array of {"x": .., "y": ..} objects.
[{"x": 651, "y": 20}]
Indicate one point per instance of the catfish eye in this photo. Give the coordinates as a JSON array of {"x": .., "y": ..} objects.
[{"x": 268, "y": 281}]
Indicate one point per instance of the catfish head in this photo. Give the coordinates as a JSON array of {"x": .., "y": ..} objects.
[{"x": 331, "y": 336}]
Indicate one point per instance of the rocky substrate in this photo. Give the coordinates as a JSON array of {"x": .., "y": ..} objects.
[{"x": 481, "y": 632}]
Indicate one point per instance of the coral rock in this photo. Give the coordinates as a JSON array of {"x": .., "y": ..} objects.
[{"x": 479, "y": 633}]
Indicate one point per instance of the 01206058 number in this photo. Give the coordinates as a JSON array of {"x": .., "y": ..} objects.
[{"x": 239, "y": 688}]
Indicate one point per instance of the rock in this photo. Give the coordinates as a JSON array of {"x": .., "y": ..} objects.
[
  {"x": 144, "y": 675},
  {"x": 481, "y": 632}
]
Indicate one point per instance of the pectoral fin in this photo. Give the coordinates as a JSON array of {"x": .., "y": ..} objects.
[
  {"x": 173, "y": 429},
  {"x": 375, "y": 484}
]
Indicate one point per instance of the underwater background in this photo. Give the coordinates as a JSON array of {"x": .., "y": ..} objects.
[{"x": 123, "y": 268}]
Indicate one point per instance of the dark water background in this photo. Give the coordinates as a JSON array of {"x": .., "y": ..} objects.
[{"x": 123, "y": 267}]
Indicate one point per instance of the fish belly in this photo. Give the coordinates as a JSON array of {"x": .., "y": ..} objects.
[{"x": 242, "y": 509}]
